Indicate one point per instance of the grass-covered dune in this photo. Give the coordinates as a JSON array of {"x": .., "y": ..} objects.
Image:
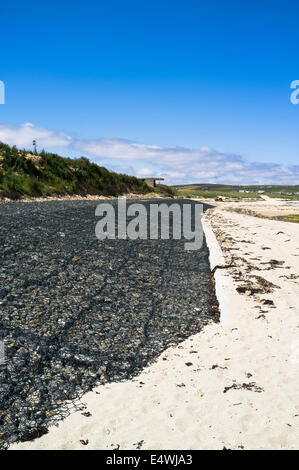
[{"x": 24, "y": 173}]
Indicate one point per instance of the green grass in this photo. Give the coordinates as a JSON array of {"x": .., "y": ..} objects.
[
  {"x": 291, "y": 218},
  {"x": 165, "y": 190},
  {"x": 48, "y": 174},
  {"x": 232, "y": 193},
  {"x": 228, "y": 195}
]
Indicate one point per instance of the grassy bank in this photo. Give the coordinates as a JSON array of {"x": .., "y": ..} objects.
[{"x": 24, "y": 174}]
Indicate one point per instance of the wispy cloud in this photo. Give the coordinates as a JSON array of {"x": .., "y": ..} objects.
[
  {"x": 176, "y": 164},
  {"x": 182, "y": 164}
]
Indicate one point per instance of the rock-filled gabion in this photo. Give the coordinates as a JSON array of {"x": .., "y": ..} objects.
[{"x": 76, "y": 312}]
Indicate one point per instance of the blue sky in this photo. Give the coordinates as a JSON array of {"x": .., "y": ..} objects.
[{"x": 195, "y": 91}]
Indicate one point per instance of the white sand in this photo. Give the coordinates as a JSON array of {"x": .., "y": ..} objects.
[
  {"x": 185, "y": 407},
  {"x": 267, "y": 206}
]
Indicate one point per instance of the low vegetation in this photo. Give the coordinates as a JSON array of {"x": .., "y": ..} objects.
[
  {"x": 291, "y": 218},
  {"x": 210, "y": 194},
  {"x": 237, "y": 193},
  {"x": 167, "y": 191},
  {"x": 23, "y": 173}
]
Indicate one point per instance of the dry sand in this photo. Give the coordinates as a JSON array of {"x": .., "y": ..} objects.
[
  {"x": 266, "y": 207},
  {"x": 235, "y": 384}
]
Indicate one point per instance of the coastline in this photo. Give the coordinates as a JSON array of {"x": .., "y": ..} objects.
[
  {"x": 223, "y": 282},
  {"x": 233, "y": 385},
  {"x": 78, "y": 197}
]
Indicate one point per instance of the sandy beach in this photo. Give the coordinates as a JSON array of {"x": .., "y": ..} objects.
[
  {"x": 149, "y": 241},
  {"x": 235, "y": 384}
]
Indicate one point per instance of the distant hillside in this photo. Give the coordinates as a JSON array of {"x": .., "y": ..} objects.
[
  {"x": 228, "y": 187},
  {"x": 46, "y": 174},
  {"x": 237, "y": 192}
]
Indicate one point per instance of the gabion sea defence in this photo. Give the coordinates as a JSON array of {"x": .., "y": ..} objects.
[{"x": 76, "y": 311}]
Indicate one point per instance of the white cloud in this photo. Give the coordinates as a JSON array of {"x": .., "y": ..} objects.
[
  {"x": 23, "y": 135},
  {"x": 175, "y": 164},
  {"x": 144, "y": 172}
]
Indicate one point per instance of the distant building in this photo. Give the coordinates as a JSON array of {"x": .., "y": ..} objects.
[{"x": 151, "y": 181}]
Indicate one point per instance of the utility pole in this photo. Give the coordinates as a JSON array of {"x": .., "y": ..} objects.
[{"x": 34, "y": 146}]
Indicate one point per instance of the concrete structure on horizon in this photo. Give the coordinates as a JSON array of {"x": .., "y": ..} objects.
[{"x": 152, "y": 181}]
